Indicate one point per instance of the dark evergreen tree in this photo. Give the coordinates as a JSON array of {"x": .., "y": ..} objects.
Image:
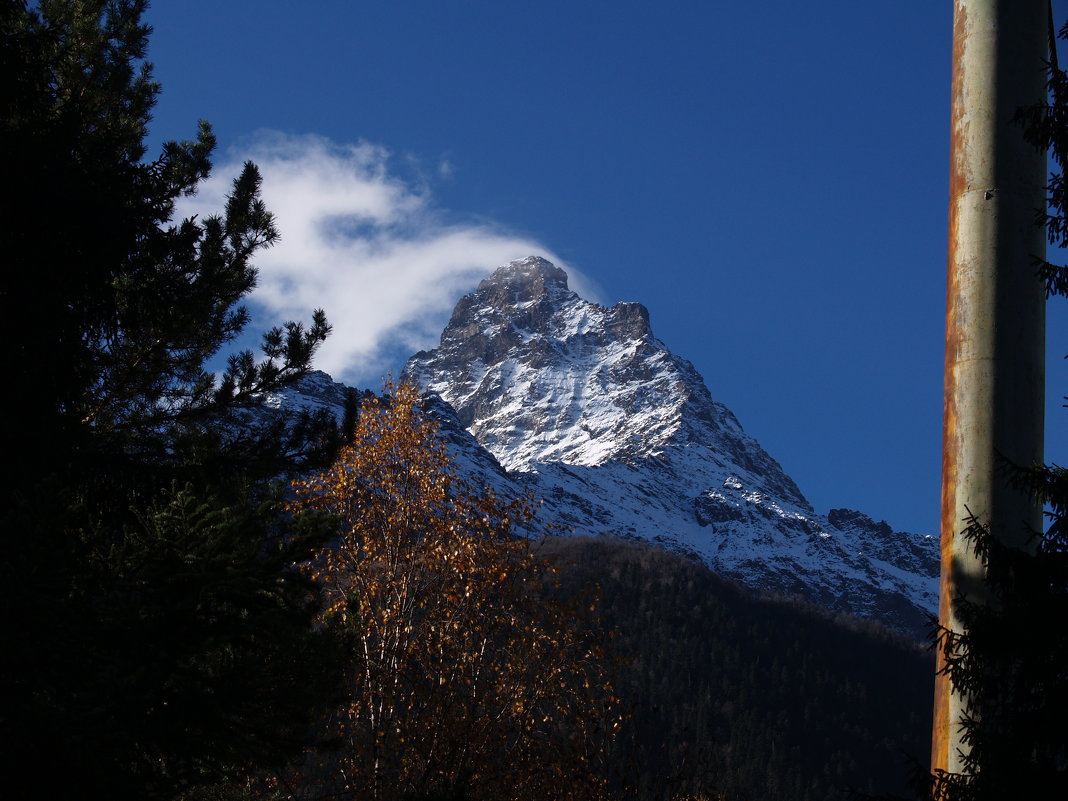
[
  {"x": 1012, "y": 663},
  {"x": 156, "y": 635}
]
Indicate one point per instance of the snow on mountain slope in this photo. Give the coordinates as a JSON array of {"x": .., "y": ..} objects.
[
  {"x": 582, "y": 404},
  {"x": 539, "y": 375},
  {"x": 537, "y": 390}
]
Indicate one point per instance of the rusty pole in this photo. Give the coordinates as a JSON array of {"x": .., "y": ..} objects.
[{"x": 995, "y": 311}]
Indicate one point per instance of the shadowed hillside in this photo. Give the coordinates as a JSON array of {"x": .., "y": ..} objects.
[{"x": 751, "y": 697}]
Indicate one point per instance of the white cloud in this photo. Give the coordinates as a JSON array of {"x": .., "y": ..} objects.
[{"x": 362, "y": 244}]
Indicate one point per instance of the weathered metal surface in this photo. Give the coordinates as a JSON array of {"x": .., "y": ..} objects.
[{"x": 995, "y": 309}]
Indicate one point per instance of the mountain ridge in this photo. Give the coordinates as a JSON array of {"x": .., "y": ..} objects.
[{"x": 538, "y": 390}]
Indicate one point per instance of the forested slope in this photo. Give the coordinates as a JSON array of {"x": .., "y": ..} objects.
[{"x": 750, "y": 697}]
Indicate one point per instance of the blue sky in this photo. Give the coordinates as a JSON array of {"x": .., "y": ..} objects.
[{"x": 769, "y": 179}]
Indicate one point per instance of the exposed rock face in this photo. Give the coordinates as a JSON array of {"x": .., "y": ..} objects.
[
  {"x": 540, "y": 375},
  {"x": 536, "y": 389},
  {"x": 620, "y": 436}
]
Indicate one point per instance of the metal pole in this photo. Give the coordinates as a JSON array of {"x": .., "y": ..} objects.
[{"x": 995, "y": 311}]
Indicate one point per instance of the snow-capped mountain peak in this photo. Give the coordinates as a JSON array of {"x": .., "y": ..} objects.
[
  {"x": 538, "y": 391},
  {"x": 618, "y": 435},
  {"x": 540, "y": 375}
]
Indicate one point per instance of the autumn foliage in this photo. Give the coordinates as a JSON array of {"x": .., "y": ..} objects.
[{"x": 464, "y": 679}]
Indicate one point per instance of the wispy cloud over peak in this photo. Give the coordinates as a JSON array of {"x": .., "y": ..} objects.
[{"x": 360, "y": 242}]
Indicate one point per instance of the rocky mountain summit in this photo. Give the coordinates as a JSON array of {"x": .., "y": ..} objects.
[
  {"x": 619, "y": 436},
  {"x": 537, "y": 390}
]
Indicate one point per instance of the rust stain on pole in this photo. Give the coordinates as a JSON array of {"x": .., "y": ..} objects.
[
  {"x": 941, "y": 734},
  {"x": 995, "y": 307}
]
